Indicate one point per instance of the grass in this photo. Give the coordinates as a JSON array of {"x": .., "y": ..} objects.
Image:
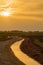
[
  {"x": 31, "y": 45},
  {"x": 33, "y": 50},
  {"x": 36, "y": 41},
  {"x": 7, "y": 57}
]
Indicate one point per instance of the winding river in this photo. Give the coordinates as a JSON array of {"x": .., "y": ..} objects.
[{"x": 22, "y": 56}]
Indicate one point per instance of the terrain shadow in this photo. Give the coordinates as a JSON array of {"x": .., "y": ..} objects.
[
  {"x": 14, "y": 59},
  {"x": 32, "y": 50},
  {"x": 7, "y": 57}
]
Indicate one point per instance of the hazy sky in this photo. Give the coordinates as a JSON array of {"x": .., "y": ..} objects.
[{"x": 24, "y": 15}]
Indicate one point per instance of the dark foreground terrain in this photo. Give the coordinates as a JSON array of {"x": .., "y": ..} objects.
[
  {"x": 6, "y": 55},
  {"x": 33, "y": 49},
  {"x": 32, "y": 46}
]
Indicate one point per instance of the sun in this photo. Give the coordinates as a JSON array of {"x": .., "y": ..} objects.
[{"x": 5, "y": 13}]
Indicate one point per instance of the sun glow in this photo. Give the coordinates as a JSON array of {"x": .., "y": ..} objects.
[{"x": 5, "y": 13}]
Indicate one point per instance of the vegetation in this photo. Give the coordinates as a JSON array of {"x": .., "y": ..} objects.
[
  {"x": 33, "y": 49},
  {"x": 36, "y": 36},
  {"x": 36, "y": 41},
  {"x": 32, "y": 45},
  {"x": 20, "y": 33}
]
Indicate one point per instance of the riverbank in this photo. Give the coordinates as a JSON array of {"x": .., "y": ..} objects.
[
  {"x": 32, "y": 50},
  {"x": 27, "y": 60},
  {"x": 6, "y": 55}
]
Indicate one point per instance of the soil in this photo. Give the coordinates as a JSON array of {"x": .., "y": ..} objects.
[
  {"x": 31, "y": 49},
  {"x": 6, "y": 55}
]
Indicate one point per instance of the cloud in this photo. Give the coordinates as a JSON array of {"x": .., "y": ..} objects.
[{"x": 27, "y": 7}]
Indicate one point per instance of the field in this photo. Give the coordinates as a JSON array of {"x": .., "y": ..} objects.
[
  {"x": 7, "y": 57},
  {"x": 32, "y": 45}
]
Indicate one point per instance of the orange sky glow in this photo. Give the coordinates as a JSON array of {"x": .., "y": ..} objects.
[{"x": 23, "y": 15}]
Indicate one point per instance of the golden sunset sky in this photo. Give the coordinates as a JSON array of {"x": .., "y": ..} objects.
[{"x": 23, "y": 15}]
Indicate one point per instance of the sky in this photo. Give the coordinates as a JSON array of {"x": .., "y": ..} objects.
[{"x": 25, "y": 15}]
